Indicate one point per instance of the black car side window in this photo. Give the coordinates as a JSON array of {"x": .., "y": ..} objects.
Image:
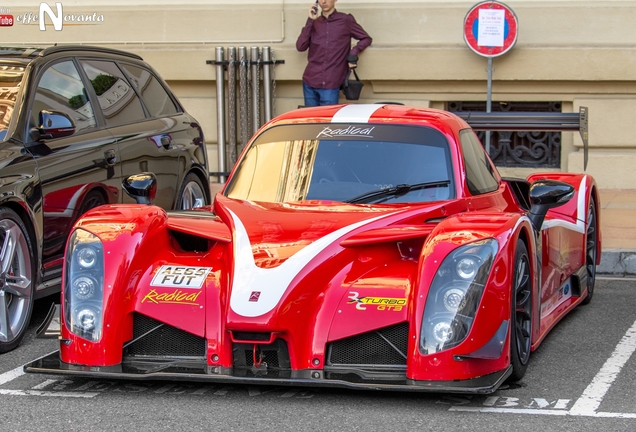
[
  {"x": 157, "y": 100},
  {"x": 117, "y": 99},
  {"x": 61, "y": 89},
  {"x": 480, "y": 174}
]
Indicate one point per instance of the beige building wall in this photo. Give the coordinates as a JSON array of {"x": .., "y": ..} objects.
[{"x": 578, "y": 52}]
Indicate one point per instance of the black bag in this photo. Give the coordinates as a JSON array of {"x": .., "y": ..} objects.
[{"x": 352, "y": 89}]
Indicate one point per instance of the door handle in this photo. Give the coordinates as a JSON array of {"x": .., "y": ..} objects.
[{"x": 110, "y": 156}]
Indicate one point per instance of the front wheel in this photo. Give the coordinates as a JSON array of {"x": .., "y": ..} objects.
[
  {"x": 16, "y": 279},
  {"x": 192, "y": 193},
  {"x": 521, "y": 316}
]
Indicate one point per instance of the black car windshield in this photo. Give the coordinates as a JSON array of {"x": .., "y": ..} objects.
[
  {"x": 357, "y": 163},
  {"x": 10, "y": 79}
]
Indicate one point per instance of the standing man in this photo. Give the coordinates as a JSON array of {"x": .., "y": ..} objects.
[{"x": 328, "y": 35}]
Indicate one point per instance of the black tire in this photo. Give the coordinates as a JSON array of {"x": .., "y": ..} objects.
[
  {"x": 521, "y": 314},
  {"x": 192, "y": 193},
  {"x": 17, "y": 278},
  {"x": 591, "y": 250}
]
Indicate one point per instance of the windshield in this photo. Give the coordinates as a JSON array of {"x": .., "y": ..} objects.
[
  {"x": 349, "y": 163},
  {"x": 10, "y": 79}
]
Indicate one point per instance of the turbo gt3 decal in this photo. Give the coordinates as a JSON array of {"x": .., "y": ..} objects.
[
  {"x": 382, "y": 303},
  {"x": 271, "y": 282},
  {"x": 180, "y": 277},
  {"x": 355, "y": 113}
]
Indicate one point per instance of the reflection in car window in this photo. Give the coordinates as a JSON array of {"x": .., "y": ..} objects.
[
  {"x": 480, "y": 174},
  {"x": 157, "y": 100},
  {"x": 60, "y": 89},
  {"x": 116, "y": 97},
  {"x": 341, "y": 169},
  {"x": 10, "y": 79}
]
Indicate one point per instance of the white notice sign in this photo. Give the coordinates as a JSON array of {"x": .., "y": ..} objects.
[{"x": 491, "y": 27}]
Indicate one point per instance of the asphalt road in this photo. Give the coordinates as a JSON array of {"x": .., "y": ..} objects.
[{"x": 582, "y": 378}]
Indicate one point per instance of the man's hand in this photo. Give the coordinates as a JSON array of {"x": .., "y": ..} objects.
[
  {"x": 313, "y": 11},
  {"x": 352, "y": 65}
]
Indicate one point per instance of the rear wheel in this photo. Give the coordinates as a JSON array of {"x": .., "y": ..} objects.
[
  {"x": 591, "y": 250},
  {"x": 521, "y": 318},
  {"x": 16, "y": 279},
  {"x": 192, "y": 193}
]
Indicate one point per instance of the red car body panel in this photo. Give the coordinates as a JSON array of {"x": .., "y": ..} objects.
[{"x": 314, "y": 272}]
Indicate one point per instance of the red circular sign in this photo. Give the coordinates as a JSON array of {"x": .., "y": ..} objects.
[{"x": 495, "y": 33}]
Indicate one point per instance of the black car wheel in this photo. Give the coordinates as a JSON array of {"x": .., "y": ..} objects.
[
  {"x": 192, "y": 194},
  {"x": 521, "y": 317},
  {"x": 591, "y": 250},
  {"x": 16, "y": 280}
]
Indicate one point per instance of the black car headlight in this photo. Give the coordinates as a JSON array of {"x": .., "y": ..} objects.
[
  {"x": 455, "y": 294},
  {"x": 84, "y": 285}
]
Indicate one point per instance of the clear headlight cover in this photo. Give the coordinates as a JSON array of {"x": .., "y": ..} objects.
[
  {"x": 84, "y": 285},
  {"x": 455, "y": 295}
]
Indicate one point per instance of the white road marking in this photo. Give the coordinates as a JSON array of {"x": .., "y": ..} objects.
[
  {"x": 47, "y": 393},
  {"x": 592, "y": 397},
  {"x": 44, "y": 384},
  {"x": 11, "y": 375},
  {"x": 598, "y": 388}
]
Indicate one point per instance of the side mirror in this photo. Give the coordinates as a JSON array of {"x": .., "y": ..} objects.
[
  {"x": 547, "y": 194},
  {"x": 142, "y": 187},
  {"x": 55, "y": 124}
]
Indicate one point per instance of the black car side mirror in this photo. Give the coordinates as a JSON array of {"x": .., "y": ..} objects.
[
  {"x": 547, "y": 194},
  {"x": 55, "y": 124},
  {"x": 142, "y": 187}
]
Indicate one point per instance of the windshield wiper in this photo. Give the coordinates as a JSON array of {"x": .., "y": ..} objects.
[{"x": 397, "y": 190}]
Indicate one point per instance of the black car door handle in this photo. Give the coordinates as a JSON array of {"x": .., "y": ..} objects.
[{"x": 110, "y": 156}]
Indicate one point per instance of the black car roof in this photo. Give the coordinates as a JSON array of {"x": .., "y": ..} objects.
[{"x": 32, "y": 52}]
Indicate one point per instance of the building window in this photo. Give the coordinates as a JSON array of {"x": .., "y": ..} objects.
[{"x": 540, "y": 149}]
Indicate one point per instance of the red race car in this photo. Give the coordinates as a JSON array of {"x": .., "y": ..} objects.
[{"x": 359, "y": 246}]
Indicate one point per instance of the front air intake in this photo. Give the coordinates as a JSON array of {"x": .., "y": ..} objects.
[
  {"x": 152, "y": 338},
  {"x": 383, "y": 347}
]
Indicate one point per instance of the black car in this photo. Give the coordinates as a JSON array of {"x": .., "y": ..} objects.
[{"x": 74, "y": 122}]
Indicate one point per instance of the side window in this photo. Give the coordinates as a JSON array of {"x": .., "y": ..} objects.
[
  {"x": 155, "y": 97},
  {"x": 117, "y": 99},
  {"x": 61, "y": 89},
  {"x": 479, "y": 171}
]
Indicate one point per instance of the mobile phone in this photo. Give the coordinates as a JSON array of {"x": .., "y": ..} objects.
[{"x": 315, "y": 7}]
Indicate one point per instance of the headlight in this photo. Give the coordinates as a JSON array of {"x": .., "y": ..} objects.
[
  {"x": 84, "y": 285},
  {"x": 86, "y": 257},
  {"x": 455, "y": 294}
]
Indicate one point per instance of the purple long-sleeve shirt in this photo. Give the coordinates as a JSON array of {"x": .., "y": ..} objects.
[{"x": 329, "y": 43}]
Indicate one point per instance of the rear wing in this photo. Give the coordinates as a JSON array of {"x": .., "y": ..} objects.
[{"x": 530, "y": 121}]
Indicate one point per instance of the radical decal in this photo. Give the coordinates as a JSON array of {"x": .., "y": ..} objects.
[
  {"x": 173, "y": 297},
  {"x": 350, "y": 131},
  {"x": 382, "y": 303},
  {"x": 180, "y": 277}
]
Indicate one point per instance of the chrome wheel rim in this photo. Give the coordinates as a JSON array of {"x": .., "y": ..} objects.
[
  {"x": 193, "y": 196},
  {"x": 15, "y": 280}
]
